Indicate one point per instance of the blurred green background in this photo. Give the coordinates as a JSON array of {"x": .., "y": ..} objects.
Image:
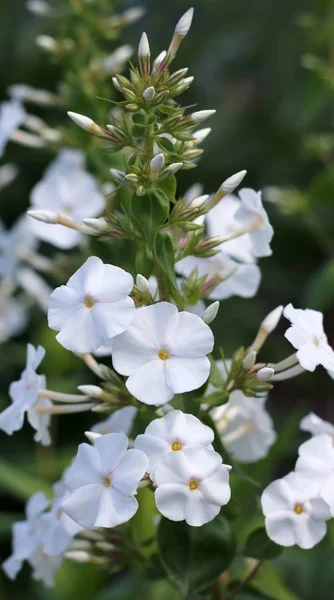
[{"x": 247, "y": 61}]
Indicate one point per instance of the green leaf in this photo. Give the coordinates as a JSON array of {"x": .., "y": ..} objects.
[
  {"x": 165, "y": 256},
  {"x": 193, "y": 557},
  {"x": 320, "y": 290},
  {"x": 143, "y": 262},
  {"x": 168, "y": 186},
  {"x": 216, "y": 378},
  {"x": 20, "y": 484},
  {"x": 149, "y": 212},
  {"x": 259, "y": 546},
  {"x": 216, "y": 398}
]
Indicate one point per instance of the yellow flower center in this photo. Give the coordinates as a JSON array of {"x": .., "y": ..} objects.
[
  {"x": 193, "y": 484},
  {"x": 163, "y": 354},
  {"x": 89, "y": 302},
  {"x": 298, "y": 509},
  {"x": 106, "y": 480},
  {"x": 59, "y": 514},
  {"x": 176, "y": 446}
]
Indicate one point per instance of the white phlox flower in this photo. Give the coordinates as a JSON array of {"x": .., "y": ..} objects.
[
  {"x": 253, "y": 217},
  {"x": 120, "y": 420},
  {"x": 70, "y": 191},
  {"x": 24, "y": 396},
  {"x": 174, "y": 432},
  {"x": 13, "y": 317},
  {"x": 193, "y": 485},
  {"x": 26, "y": 535},
  {"x": 44, "y": 566},
  {"x": 58, "y": 528},
  {"x": 93, "y": 307},
  {"x": 237, "y": 279},
  {"x": 316, "y": 459},
  {"x": 8, "y": 172},
  {"x": 315, "y": 425},
  {"x": 307, "y": 335},
  {"x": 15, "y": 245},
  {"x": 163, "y": 352},
  {"x": 103, "y": 481},
  {"x": 12, "y": 115},
  {"x": 295, "y": 513},
  {"x": 244, "y": 425}
]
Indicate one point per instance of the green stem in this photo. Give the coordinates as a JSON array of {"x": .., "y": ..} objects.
[
  {"x": 162, "y": 283},
  {"x": 245, "y": 582}
]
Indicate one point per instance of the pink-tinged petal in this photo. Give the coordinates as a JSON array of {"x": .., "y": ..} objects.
[
  {"x": 83, "y": 504},
  {"x": 202, "y": 462},
  {"x": 279, "y": 527},
  {"x": 198, "y": 510},
  {"x": 148, "y": 384},
  {"x": 126, "y": 477},
  {"x": 307, "y": 532},
  {"x": 154, "y": 447},
  {"x": 277, "y": 497},
  {"x": 192, "y": 338},
  {"x": 216, "y": 489},
  {"x": 111, "y": 449},
  {"x": 64, "y": 303},
  {"x": 186, "y": 374},
  {"x": 115, "y": 509},
  {"x": 173, "y": 468},
  {"x": 79, "y": 334},
  {"x": 112, "y": 318},
  {"x": 88, "y": 278},
  {"x": 85, "y": 469},
  {"x": 171, "y": 500},
  {"x": 115, "y": 285},
  {"x": 37, "y": 504}
]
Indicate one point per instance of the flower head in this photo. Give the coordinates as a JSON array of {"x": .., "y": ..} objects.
[
  {"x": 192, "y": 485},
  {"x": 163, "y": 352},
  {"x": 103, "y": 481},
  {"x": 174, "y": 432},
  {"x": 316, "y": 459},
  {"x": 253, "y": 217},
  {"x": 307, "y": 335},
  {"x": 315, "y": 425},
  {"x": 92, "y": 307},
  {"x": 70, "y": 191},
  {"x": 294, "y": 511}
]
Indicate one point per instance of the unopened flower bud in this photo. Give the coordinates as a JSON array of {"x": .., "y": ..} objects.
[
  {"x": 173, "y": 168},
  {"x": 249, "y": 361},
  {"x": 271, "y": 321},
  {"x": 47, "y": 43},
  {"x": 142, "y": 283},
  {"x": 100, "y": 224},
  {"x": 91, "y": 390},
  {"x": 132, "y": 107},
  {"x": 184, "y": 24},
  {"x": 79, "y": 556},
  {"x": 201, "y": 134},
  {"x": 210, "y": 312},
  {"x": 202, "y": 115},
  {"x": 228, "y": 186},
  {"x": 116, "y": 84},
  {"x": 159, "y": 59},
  {"x": 85, "y": 123},
  {"x": 144, "y": 47},
  {"x": 45, "y": 216},
  {"x": 132, "y": 177},
  {"x": 117, "y": 174},
  {"x": 265, "y": 374},
  {"x": 157, "y": 162},
  {"x": 92, "y": 435},
  {"x": 149, "y": 93},
  {"x": 140, "y": 191}
]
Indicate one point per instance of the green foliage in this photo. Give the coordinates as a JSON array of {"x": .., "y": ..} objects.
[{"x": 259, "y": 546}]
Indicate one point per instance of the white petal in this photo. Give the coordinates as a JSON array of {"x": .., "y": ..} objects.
[
  {"x": 112, "y": 318},
  {"x": 243, "y": 282},
  {"x": 83, "y": 504},
  {"x": 64, "y": 303},
  {"x": 111, "y": 449},
  {"x": 115, "y": 509},
  {"x": 192, "y": 338},
  {"x": 186, "y": 374},
  {"x": 120, "y": 420},
  {"x": 279, "y": 528},
  {"x": 12, "y": 566},
  {"x": 216, "y": 489},
  {"x": 308, "y": 532},
  {"x": 88, "y": 278},
  {"x": 173, "y": 468},
  {"x": 198, "y": 510},
  {"x": 79, "y": 334},
  {"x": 85, "y": 469},
  {"x": 276, "y": 497},
  {"x": 114, "y": 285},
  {"x": 148, "y": 384},
  {"x": 37, "y": 504},
  {"x": 202, "y": 462},
  {"x": 155, "y": 448},
  {"x": 171, "y": 500},
  {"x": 308, "y": 357},
  {"x": 128, "y": 473},
  {"x": 319, "y": 510},
  {"x": 12, "y": 418}
]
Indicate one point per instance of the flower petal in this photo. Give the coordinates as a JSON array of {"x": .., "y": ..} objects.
[
  {"x": 83, "y": 504},
  {"x": 88, "y": 278},
  {"x": 148, "y": 384},
  {"x": 111, "y": 449},
  {"x": 171, "y": 500},
  {"x": 112, "y": 318},
  {"x": 115, "y": 509},
  {"x": 85, "y": 469},
  {"x": 192, "y": 338},
  {"x": 154, "y": 447},
  {"x": 216, "y": 489},
  {"x": 198, "y": 510},
  {"x": 186, "y": 374},
  {"x": 131, "y": 469}
]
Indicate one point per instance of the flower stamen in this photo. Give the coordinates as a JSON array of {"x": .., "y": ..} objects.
[
  {"x": 106, "y": 479},
  {"x": 298, "y": 509},
  {"x": 193, "y": 484},
  {"x": 163, "y": 354},
  {"x": 176, "y": 446},
  {"x": 88, "y": 302}
]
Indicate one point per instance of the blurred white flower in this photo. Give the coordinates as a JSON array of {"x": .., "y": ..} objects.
[
  {"x": 8, "y": 172},
  {"x": 316, "y": 459},
  {"x": 116, "y": 61},
  {"x": 103, "y": 481},
  {"x": 253, "y": 216},
  {"x": 15, "y": 245},
  {"x": 295, "y": 513},
  {"x": 193, "y": 485},
  {"x": 238, "y": 279},
  {"x": 307, "y": 335},
  {"x": 44, "y": 566},
  {"x": 12, "y": 115},
  {"x": 27, "y": 93},
  {"x": 174, "y": 432},
  {"x": 67, "y": 189},
  {"x": 163, "y": 352},
  {"x": 26, "y": 535},
  {"x": 92, "y": 307},
  {"x": 120, "y": 420},
  {"x": 315, "y": 425},
  {"x": 13, "y": 316},
  {"x": 58, "y": 529},
  {"x": 24, "y": 396}
]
